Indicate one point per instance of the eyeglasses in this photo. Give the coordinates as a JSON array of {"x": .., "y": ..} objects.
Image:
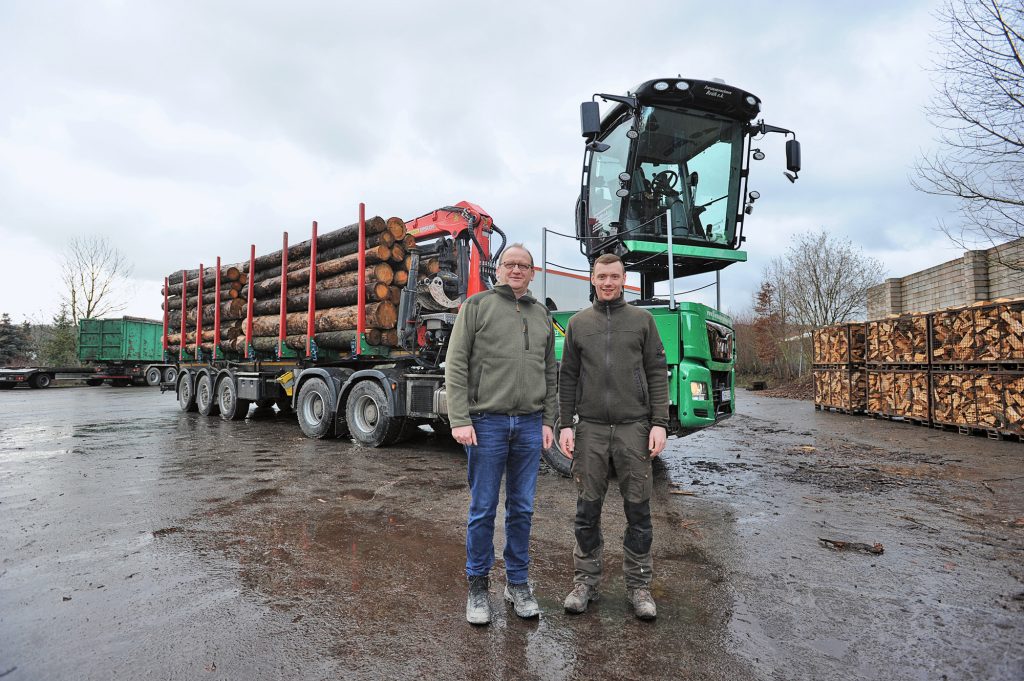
[{"x": 517, "y": 266}]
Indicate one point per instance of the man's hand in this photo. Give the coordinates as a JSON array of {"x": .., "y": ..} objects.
[
  {"x": 656, "y": 441},
  {"x": 567, "y": 441},
  {"x": 464, "y": 435},
  {"x": 548, "y": 436}
]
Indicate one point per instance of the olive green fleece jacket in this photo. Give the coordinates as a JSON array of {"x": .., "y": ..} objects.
[
  {"x": 613, "y": 366},
  {"x": 501, "y": 358}
]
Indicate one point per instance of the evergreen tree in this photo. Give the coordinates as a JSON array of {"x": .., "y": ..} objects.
[{"x": 61, "y": 349}]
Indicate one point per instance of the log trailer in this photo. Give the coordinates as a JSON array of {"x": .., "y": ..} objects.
[{"x": 664, "y": 186}]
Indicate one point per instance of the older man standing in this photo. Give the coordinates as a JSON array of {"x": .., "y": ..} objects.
[
  {"x": 614, "y": 377},
  {"x": 500, "y": 377}
]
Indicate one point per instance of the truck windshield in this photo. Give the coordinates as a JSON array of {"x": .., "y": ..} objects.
[{"x": 684, "y": 171}]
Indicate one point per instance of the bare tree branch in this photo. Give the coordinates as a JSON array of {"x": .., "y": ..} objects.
[
  {"x": 93, "y": 272},
  {"x": 979, "y": 111}
]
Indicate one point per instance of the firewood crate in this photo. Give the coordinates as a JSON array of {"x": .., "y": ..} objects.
[
  {"x": 897, "y": 342},
  {"x": 991, "y": 401},
  {"x": 982, "y": 334},
  {"x": 899, "y": 394},
  {"x": 841, "y": 388},
  {"x": 841, "y": 344}
]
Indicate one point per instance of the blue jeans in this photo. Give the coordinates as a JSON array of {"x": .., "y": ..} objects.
[{"x": 510, "y": 446}]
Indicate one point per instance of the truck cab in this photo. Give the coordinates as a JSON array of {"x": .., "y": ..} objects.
[{"x": 664, "y": 187}]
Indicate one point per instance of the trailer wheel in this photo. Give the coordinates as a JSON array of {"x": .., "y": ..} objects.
[
  {"x": 369, "y": 419},
  {"x": 315, "y": 409},
  {"x": 40, "y": 381},
  {"x": 556, "y": 458},
  {"x": 206, "y": 402},
  {"x": 120, "y": 382},
  {"x": 153, "y": 376},
  {"x": 186, "y": 393},
  {"x": 93, "y": 382},
  {"x": 7, "y": 386},
  {"x": 170, "y": 373},
  {"x": 231, "y": 408}
]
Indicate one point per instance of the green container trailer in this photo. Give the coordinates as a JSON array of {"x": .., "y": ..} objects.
[{"x": 127, "y": 339}]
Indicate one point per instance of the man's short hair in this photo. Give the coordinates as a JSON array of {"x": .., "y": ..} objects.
[
  {"x": 608, "y": 259},
  {"x": 520, "y": 247}
]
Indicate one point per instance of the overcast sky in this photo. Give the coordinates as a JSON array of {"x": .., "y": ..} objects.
[{"x": 187, "y": 130}]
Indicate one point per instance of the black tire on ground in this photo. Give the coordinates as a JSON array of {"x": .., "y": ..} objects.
[
  {"x": 40, "y": 381},
  {"x": 7, "y": 386},
  {"x": 94, "y": 382},
  {"x": 170, "y": 373},
  {"x": 186, "y": 393},
  {"x": 231, "y": 408},
  {"x": 315, "y": 409},
  {"x": 368, "y": 417},
  {"x": 206, "y": 400},
  {"x": 153, "y": 376},
  {"x": 556, "y": 458},
  {"x": 120, "y": 382}
]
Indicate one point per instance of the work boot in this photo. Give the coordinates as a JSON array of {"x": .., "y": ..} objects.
[
  {"x": 478, "y": 605},
  {"x": 642, "y": 602},
  {"x": 581, "y": 594},
  {"x": 521, "y": 598}
]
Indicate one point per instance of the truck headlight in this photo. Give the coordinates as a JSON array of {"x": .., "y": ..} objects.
[{"x": 699, "y": 391}]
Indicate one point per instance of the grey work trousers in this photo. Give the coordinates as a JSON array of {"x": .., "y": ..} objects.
[{"x": 624, "y": 444}]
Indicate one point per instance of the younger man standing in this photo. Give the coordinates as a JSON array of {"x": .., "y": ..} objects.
[{"x": 614, "y": 377}]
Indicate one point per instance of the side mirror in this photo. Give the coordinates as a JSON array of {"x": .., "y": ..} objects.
[
  {"x": 590, "y": 119},
  {"x": 793, "y": 156}
]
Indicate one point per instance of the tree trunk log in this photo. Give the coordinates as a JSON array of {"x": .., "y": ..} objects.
[{"x": 382, "y": 315}]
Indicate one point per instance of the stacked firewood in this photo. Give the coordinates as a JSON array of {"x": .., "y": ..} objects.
[
  {"x": 839, "y": 378},
  {"x": 958, "y": 367},
  {"x": 336, "y": 296}
]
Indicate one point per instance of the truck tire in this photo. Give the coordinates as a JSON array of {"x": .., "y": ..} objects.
[
  {"x": 40, "y": 381},
  {"x": 315, "y": 409},
  {"x": 153, "y": 375},
  {"x": 556, "y": 458},
  {"x": 206, "y": 402},
  {"x": 368, "y": 417},
  {"x": 93, "y": 382},
  {"x": 186, "y": 393},
  {"x": 231, "y": 408},
  {"x": 120, "y": 382},
  {"x": 170, "y": 373},
  {"x": 7, "y": 386}
]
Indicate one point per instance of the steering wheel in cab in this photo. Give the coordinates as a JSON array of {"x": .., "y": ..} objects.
[{"x": 664, "y": 183}]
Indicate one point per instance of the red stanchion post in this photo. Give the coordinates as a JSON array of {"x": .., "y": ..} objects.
[
  {"x": 184, "y": 313},
  {"x": 311, "y": 310},
  {"x": 283, "y": 326},
  {"x": 361, "y": 301},
  {"x": 216, "y": 313},
  {"x": 199, "y": 314},
  {"x": 250, "y": 299}
]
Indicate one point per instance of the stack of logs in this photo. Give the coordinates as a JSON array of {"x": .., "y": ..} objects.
[
  {"x": 336, "y": 294},
  {"x": 961, "y": 367}
]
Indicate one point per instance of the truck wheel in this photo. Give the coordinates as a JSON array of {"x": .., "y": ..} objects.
[
  {"x": 40, "y": 381},
  {"x": 231, "y": 408},
  {"x": 556, "y": 458},
  {"x": 120, "y": 382},
  {"x": 7, "y": 386},
  {"x": 186, "y": 393},
  {"x": 153, "y": 376},
  {"x": 94, "y": 382},
  {"x": 369, "y": 420},
  {"x": 206, "y": 402},
  {"x": 170, "y": 373},
  {"x": 315, "y": 409}
]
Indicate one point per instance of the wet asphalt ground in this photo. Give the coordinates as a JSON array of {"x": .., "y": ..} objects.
[{"x": 139, "y": 542}]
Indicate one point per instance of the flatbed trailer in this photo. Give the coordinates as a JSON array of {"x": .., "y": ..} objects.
[{"x": 43, "y": 377}]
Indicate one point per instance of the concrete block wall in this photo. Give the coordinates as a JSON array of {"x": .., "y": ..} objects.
[{"x": 979, "y": 275}]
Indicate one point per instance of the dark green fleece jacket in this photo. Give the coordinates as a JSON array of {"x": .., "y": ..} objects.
[
  {"x": 501, "y": 358},
  {"x": 613, "y": 366}
]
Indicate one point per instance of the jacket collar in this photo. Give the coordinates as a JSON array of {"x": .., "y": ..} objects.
[
  {"x": 610, "y": 305},
  {"x": 506, "y": 292}
]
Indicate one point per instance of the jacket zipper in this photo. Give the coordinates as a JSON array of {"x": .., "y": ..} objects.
[{"x": 608, "y": 361}]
